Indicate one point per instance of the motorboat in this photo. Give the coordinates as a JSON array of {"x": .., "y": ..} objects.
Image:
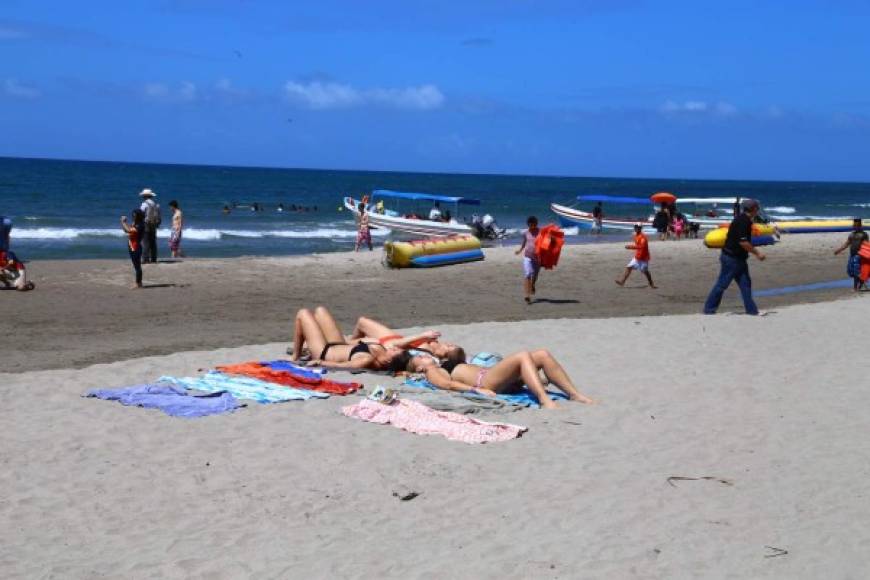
[
  {"x": 383, "y": 208},
  {"x": 709, "y": 218}
]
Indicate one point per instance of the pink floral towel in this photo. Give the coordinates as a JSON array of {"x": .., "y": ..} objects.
[{"x": 418, "y": 418}]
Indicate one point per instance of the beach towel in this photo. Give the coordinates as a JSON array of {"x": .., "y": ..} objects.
[
  {"x": 417, "y": 418},
  {"x": 288, "y": 378},
  {"x": 286, "y": 365},
  {"x": 464, "y": 403},
  {"x": 523, "y": 397},
  {"x": 170, "y": 399},
  {"x": 243, "y": 388}
]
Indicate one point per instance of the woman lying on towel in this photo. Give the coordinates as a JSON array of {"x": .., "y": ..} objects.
[
  {"x": 320, "y": 332},
  {"x": 428, "y": 342},
  {"x": 506, "y": 376}
]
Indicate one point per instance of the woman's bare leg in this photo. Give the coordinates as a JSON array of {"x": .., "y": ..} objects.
[
  {"x": 366, "y": 327},
  {"x": 306, "y": 330},
  {"x": 556, "y": 374},
  {"x": 328, "y": 326},
  {"x": 518, "y": 365}
]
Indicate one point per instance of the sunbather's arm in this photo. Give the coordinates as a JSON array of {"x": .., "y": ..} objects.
[{"x": 407, "y": 342}]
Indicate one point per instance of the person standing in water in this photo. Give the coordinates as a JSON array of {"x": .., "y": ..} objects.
[
  {"x": 531, "y": 264},
  {"x": 364, "y": 230},
  {"x": 175, "y": 233}
]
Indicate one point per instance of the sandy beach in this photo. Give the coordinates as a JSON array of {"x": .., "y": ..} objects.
[
  {"x": 93, "y": 489},
  {"x": 84, "y": 313}
]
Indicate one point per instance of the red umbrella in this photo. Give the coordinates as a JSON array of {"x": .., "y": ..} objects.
[{"x": 663, "y": 197}]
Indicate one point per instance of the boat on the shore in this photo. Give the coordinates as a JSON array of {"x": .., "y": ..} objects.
[
  {"x": 415, "y": 222},
  {"x": 585, "y": 220}
]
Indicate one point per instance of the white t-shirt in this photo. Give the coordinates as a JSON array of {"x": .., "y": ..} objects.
[{"x": 434, "y": 214}]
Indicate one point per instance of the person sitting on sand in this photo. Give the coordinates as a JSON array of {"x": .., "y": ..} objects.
[
  {"x": 427, "y": 342},
  {"x": 320, "y": 332},
  {"x": 506, "y": 376},
  {"x": 13, "y": 272}
]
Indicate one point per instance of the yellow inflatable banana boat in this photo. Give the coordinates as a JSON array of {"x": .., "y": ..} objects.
[
  {"x": 762, "y": 235},
  {"x": 433, "y": 252}
]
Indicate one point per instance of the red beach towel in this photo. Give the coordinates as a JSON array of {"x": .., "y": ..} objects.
[{"x": 288, "y": 379}]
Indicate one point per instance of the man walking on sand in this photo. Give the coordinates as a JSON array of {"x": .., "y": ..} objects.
[
  {"x": 640, "y": 261},
  {"x": 151, "y": 209},
  {"x": 734, "y": 260}
]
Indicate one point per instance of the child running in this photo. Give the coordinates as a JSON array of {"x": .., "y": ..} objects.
[
  {"x": 640, "y": 261},
  {"x": 363, "y": 234},
  {"x": 531, "y": 264}
]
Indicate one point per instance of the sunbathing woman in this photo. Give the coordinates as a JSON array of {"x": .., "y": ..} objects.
[
  {"x": 506, "y": 376},
  {"x": 367, "y": 328},
  {"x": 328, "y": 346}
]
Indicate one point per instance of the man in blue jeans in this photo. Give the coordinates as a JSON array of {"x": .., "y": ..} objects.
[{"x": 733, "y": 260}]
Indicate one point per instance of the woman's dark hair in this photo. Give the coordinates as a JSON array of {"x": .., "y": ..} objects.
[
  {"x": 361, "y": 206},
  {"x": 138, "y": 217},
  {"x": 174, "y": 204},
  {"x": 456, "y": 356},
  {"x": 400, "y": 362},
  {"x": 532, "y": 220}
]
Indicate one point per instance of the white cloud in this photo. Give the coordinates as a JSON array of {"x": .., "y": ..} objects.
[
  {"x": 12, "y": 88},
  {"x": 330, "y": 95},
  {"x": 699, "y": 107},
  {"x": 225, "y": 88},
  {"x": 185, "y": 93}
]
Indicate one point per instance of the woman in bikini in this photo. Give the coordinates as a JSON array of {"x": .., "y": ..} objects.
[
  {"x": 506, "y": 376},
  {"x": 320, "y": 332},
  {"x": 427, "y": 342}
]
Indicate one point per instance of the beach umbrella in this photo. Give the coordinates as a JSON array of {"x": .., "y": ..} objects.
[{"x": 663, "y": 197}]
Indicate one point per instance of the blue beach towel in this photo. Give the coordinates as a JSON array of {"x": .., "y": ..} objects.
[
  {"x": 171, "y": 400},
  {"x": 524, "y": 398},
  {"x": 285, "y": 365},
  {"x": 244, "y": 388}
]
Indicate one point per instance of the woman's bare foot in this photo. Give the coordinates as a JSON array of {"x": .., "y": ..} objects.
[
  {"x": 136, "y": 287},
  {"x": 619, "y": 282},
  {"x": 583, "y": 399}
]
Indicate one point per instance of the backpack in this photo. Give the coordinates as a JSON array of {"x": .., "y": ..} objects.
[{"x": 152, "y": 213}]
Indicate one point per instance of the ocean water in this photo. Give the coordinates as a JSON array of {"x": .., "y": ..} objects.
[{"x": 71, "y": 209}]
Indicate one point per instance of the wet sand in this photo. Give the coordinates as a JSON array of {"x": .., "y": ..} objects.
[{"x": 83, "y": 312}]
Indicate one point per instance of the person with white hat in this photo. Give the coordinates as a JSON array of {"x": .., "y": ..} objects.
[{"x": 151, "y": 209}]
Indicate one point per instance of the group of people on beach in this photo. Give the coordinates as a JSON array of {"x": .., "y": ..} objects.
[
  {"x": 374, "y": 346},
  {"x": 142, "y": 229}
]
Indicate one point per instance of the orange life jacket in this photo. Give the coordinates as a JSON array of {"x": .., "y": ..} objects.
[{"x": 548, "y": 245}]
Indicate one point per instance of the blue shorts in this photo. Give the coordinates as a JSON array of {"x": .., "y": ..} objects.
[{"x": 531, "y": 267}]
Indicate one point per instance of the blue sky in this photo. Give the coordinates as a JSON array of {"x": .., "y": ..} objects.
[{"x": 725, "y": 90}]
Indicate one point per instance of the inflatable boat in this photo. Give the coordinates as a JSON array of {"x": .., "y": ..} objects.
[
  {"x": 434, "y": 252},
  {"x": 762, "y": 235}
]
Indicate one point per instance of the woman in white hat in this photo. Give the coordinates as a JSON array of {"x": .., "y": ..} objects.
[{"x": 151, "y": 209}]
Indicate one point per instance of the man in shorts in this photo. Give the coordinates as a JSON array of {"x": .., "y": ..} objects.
[{"x": 640, "y": 261}]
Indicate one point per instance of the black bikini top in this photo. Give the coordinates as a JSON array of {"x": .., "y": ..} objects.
[{"x": 361, "y": 347}]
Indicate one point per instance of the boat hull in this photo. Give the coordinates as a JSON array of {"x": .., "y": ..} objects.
[
  {"x": 408, "y": 226},
  {"x": 571, "y": 217}
]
